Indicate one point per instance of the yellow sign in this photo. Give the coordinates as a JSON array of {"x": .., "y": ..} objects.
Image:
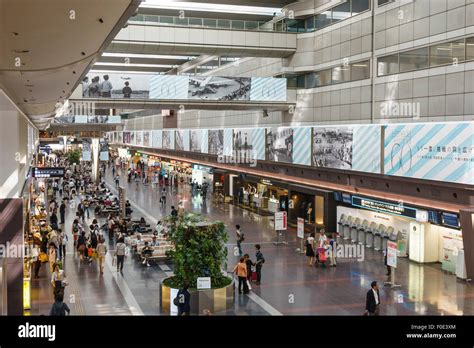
[{"x": 26, "y": 294}]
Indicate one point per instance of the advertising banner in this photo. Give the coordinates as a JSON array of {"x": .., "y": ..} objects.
[
  {"x": 139, "y": 138},
  {"x": 182, "y": 140},
  {"x": 217, "y": 88},
  {"x": 392, "y": 254},
  {"x": 86, "y": 150},
  {"x": 280, "y": 221},
  {"x": 332, "y": 147},
  {"x": 434, "y": 151},
  {"x": 196, "y": 140},
  {"x": 103, "y": 150},
  {"x": 168, "y": 139},
  {"x": 146, "y": 139},
  {"x": 156, "y": 139},
  {"x": 300, "y": 228}
]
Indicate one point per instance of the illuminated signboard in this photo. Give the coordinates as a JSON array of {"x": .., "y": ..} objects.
[
  {"x": 48, "y": 172},
  {"x": 385, "y": 207}
]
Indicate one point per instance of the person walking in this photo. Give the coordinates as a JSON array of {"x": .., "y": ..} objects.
[
  {"x": 259, "y": 263},
  {"x": 101, "y": 253},
  {"x": 57, "y": 280},
  {"x": 117, "y": 181},
  {"x": 389, "y": 269},
  {"x": 310, "y": 248},
  {"x": 372, "y": 304},
  {"x": 113, "y": 170},
  {"x": 241, "y": 271},
  {"x": 62, "y": 211},
  {"x": 182, "y": 301},
  {"x": 59, "y": 308},
  {"x": 163, "y": 197},
  {"x": 240, "y": 238},
  {"x": 120, "y": 254},
  {"x": 62, "y": 239}
]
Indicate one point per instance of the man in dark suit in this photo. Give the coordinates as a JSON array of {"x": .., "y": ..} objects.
[{"x": 372, "y": 305}]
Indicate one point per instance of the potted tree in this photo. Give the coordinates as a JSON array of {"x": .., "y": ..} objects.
[{"x": 199, "y": 251}]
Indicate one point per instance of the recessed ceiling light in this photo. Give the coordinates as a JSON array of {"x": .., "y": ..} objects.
[
  {"x": 21, "y": 51},
  {"x": 29, "y": 85},
  {"x": 15, "y": 33}
]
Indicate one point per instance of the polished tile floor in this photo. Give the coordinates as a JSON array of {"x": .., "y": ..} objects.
[{"x": 289, "y": 286}]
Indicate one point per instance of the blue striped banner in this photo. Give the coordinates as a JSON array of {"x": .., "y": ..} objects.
[
  {"x": 156, "y": 139},
  {"x": 204, "y": 140},
  {"x": 258, "y": 141},
  {"x": 228, "y": 139},
  {"x": 431, "y": 151},
  {"x": 302, "y": 145},
  {"x": 169, "y": 87},
  {"x": 366, "y": 149},
  {"x": 268, "y": 89}
]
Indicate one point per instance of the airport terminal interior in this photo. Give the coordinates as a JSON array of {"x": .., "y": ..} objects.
[{"x": 236, "y": 157}]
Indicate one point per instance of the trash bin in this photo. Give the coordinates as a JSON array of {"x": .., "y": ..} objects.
[
  {"x": 362, "y": 232},
  {"x": 354, "y": 229},
  {"x": 378, "y": 237}
]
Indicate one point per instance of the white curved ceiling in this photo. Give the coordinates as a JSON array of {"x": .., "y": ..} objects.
[{"x": 48, "y": 45}]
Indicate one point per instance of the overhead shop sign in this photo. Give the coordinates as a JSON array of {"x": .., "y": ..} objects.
[
  {"x": 48, "y": 172},
  {"x": 385, "y": 207}
]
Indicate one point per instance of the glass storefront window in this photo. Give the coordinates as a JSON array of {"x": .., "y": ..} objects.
[
  {"x": 181, "y": 21},
  {"x": 387, "y": 65},
  {"x": 470, "y": 48},
  {"x": 360, "y": 70},
  {"x": 195, "y": 21},
  {"x": 292, "y": 82},
  {"x": 341, "y": 12},
  {"x": 447, "y": 53},
  {"x": 211, "y": 23},
  {"x": 164, "y": 19},
  {"x": 414, "y": 59},
  {"x": 341, "y": 74},
  {"x": 322, "y": 19},
  {"x": 238, "y": 25},
  {"x": 359, "y": 6}
]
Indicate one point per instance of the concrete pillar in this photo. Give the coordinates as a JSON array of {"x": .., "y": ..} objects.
[
  {"x": 95, "y": 160},
  {"x": 467, "y": 225},
  {"x": 10, "y": 155}
]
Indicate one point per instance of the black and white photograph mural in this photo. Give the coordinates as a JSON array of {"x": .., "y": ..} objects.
[
  {"x": 243, "y": 140},
  {"x": 216, "y": 141},
  {"x": 332, "y": 147},
  {"x": 104, "y": 150},
  {"x": 116, "y": 85},
  {"x": 146, "y": 139},
  {"x": 179, "y": 142},
  {"x": 219, "y": 88},
  {"x": 279, "y": 144},
  {"x": 167, "y": 139},
  {"x": 196, "y": 140}
]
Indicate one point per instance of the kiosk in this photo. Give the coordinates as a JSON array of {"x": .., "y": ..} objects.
[
  {"x": 378, "y": 237},
  {"x": 347, "y": 227},
  {"x": 369, "y": 238},
  {"x": 362, "y": 232},
  {"x": 340, "y": 224},
  {"x": 354, "y": 229}
]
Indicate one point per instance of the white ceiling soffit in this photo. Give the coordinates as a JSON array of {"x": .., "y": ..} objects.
[{"x": 47, "y": 47}]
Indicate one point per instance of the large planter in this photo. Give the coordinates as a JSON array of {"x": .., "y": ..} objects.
[{"x": 215, "y": 300}]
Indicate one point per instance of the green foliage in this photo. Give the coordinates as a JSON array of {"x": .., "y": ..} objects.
[
  {"x": 74, "y": 157},
  {"x": 199, "y": 251}
]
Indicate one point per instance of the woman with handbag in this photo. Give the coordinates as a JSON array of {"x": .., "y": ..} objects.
[
  {"x": 310, "y": 249},
  {"x": 58, "y": 280},
  {"x": 81, "y": 245}
]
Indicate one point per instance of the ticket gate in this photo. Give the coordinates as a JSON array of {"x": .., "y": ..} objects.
[
  {"x": 341, "y": 223},
  {"x": 354, "y": 229},
  {"x": 395, "y": 236},
  {"x": 369, "y": 237},
  {"x": 347, "y": 227},
  {"x": 362, "y": 232},
  {"x": 386, "y": 236},
  {"x": 379, "y": 232}
]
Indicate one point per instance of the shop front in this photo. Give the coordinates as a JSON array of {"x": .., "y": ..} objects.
[
  {"x": 262, "y": 195},
  {"x": 315, "y": 206},
  {"x": 202, "y": 175},
  {"x": 422, "y": 234}
]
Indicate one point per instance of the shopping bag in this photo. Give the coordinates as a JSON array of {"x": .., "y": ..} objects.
[
  {"x": 254, "y": 276},
  {"x": 43, "y": 257}
]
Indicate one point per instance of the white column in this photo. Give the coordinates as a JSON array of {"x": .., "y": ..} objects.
[{"x": 95, "y": 159}]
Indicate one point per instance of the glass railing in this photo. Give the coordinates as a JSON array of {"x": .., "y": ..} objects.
[{"x": 230, "y": 24}]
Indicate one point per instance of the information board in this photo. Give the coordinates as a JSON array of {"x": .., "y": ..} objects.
[
  {"x": 392, "y": 254},
  {"x": 204, "y": 283},
  {"x": 280, "y": 220},
  {"x": 300, "y": 229},
  {"x": 48, "y": 172}
]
